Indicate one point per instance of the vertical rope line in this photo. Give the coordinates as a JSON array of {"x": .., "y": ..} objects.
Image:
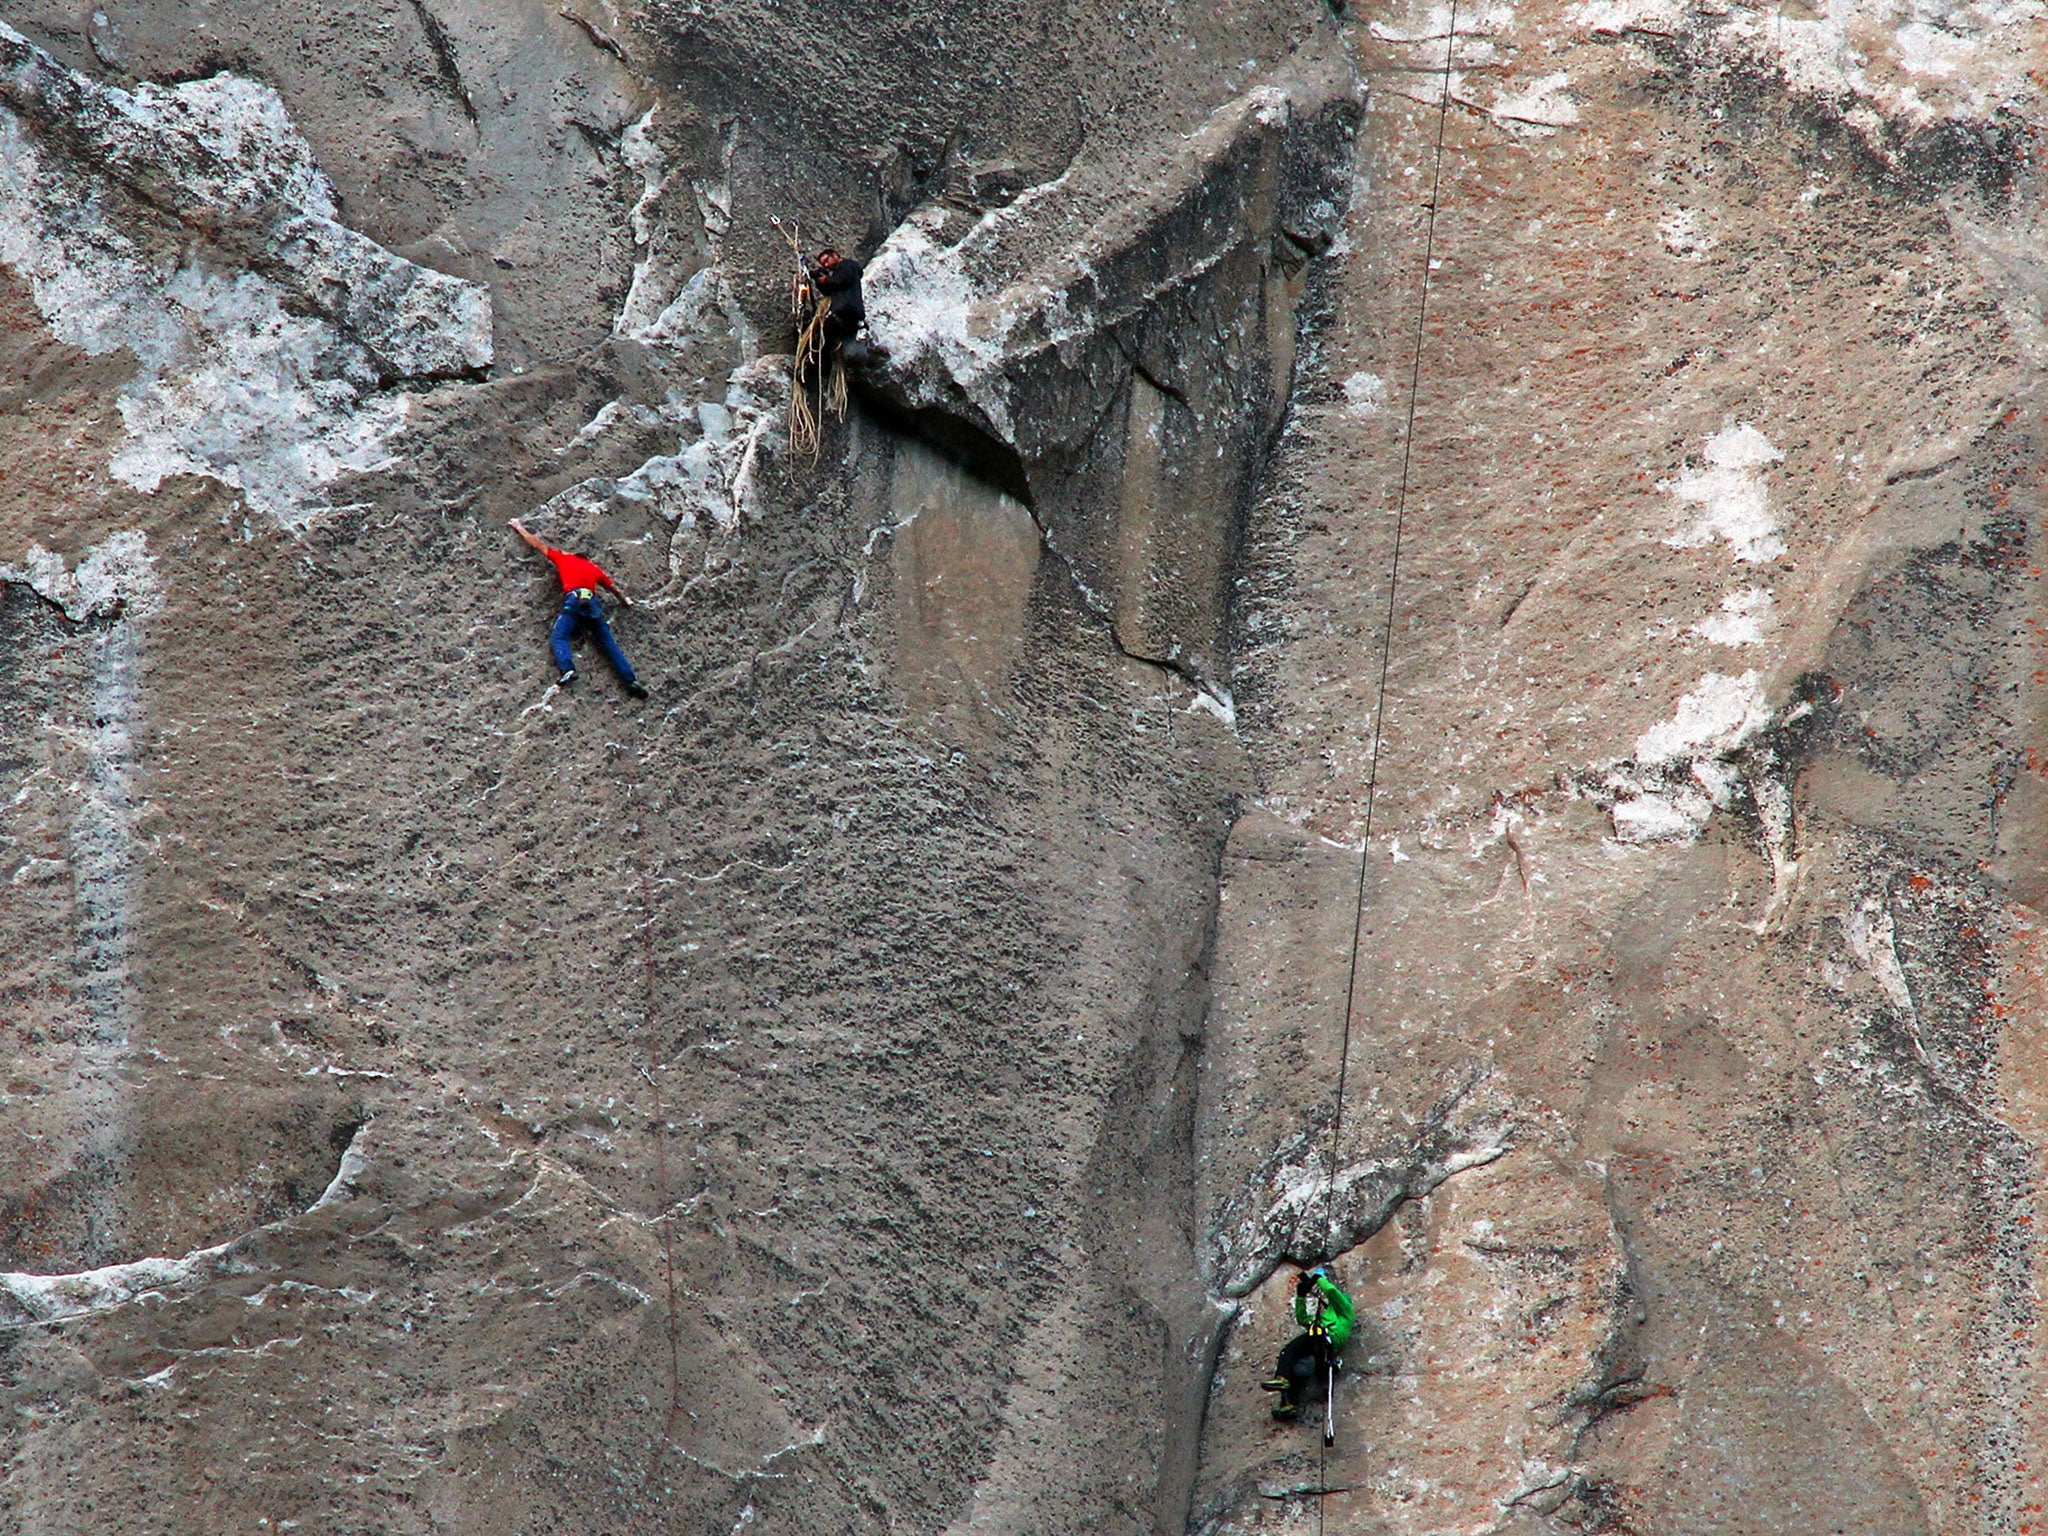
[
  {"x": 665, "y": 1217},
  {"x": 1379, "y": 708}
]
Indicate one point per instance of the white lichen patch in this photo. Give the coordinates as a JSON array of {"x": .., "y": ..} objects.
[
  {"x": 654, "y": 286},
  {"x": 681, "y": 290},
  {"x": 1870, "y": 932},
  {"x": 275, "y": 382},
  {"x": 1876, "y": 62},
  {"x": 921, "y": 310},
  {"x": 1714, "y": 719},
  {"x": 116, "y": 577},
  {"x": 51, "y": 1298},
  {"x": 1365, "y": 394},
  {"x": 1682, "y": 770},
  {"x": 1683, "y": 235},
  {"x": 1730, "y": 496},
  {"x": 1217, "y": 700},
  {"x": 716, "y": 475},
  {"x": 1745, "y": 618}
]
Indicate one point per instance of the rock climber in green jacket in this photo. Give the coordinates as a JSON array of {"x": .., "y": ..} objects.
[{"x": 1326, "y": 1316}]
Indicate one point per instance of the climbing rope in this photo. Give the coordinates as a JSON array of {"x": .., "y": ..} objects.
[
  {"x": 661, "y": 1188},
  {"x": 1379, "y": 708},
  {"x": 815, "y": 385},
  {"x": 650, "y": 1014}
]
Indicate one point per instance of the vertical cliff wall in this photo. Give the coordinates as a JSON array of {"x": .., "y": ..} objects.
[{"x": 879, "y": 1082}]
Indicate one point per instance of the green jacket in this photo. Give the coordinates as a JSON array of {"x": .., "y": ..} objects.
[{"x": 1338, "y": 1313}]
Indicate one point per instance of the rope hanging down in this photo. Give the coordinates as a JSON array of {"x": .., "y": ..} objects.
[
  {"x": 642, "y": 807},
  {"x": 817, "y": 378},
  {"x": 1379, "y": 708}
]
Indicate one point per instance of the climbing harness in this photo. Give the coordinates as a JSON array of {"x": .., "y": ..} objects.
[
  {"x": 1379, "y": 711},
  {"x": 1326, "y": 1356},
  {"x": 817, "y": 383}
]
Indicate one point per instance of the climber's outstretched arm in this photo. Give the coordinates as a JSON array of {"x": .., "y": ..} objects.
[{"x": 533, "y": 542}]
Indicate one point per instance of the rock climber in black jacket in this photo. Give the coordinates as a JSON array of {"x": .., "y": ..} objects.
[{"x": 837, "y": 278}]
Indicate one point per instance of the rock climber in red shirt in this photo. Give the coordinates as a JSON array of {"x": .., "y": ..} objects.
[{"x": 580, "y": 580}]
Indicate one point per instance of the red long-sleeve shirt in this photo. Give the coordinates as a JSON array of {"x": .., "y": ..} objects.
[{"x": 576, "y": 571}]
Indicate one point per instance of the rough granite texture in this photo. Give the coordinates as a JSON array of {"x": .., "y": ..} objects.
[{"x": 883, "y": 1082}]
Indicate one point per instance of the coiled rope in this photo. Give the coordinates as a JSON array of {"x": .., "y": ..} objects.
[{"x": 817, "y": 377}]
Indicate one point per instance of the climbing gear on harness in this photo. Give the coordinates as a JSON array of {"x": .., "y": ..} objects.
[{"x": 1330, "y": 1408}]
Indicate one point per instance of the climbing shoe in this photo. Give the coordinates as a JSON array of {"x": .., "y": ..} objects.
[
  {"x": 1274, "y": 1384},
  {"x": 638, "y": 690},
  {"x": 566, "y": 678},
  {"x": 1287, "y": 1411}
]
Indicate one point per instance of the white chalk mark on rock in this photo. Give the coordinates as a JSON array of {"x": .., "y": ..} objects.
[
  {"x": 1730, "y": 496},
  {"x": 1746, "y": 618},
  {"x": 1365, "y": 394},
  {"x": 1682, "y": 773}
]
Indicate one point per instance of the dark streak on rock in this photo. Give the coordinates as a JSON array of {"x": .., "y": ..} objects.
[
  {"x": 444, "y": 56},
  {"x": 594, "y": 32},
  {"x": 1520, "y": 598},
  {"x": 1924, "y": 474},
  {"x": 604, "y": 144}
]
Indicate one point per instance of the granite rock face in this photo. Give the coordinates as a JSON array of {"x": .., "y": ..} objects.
[{"x": 884, "y": 1082}]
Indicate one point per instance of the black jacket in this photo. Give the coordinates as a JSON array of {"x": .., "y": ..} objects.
[{"x": 840, "y": 283}]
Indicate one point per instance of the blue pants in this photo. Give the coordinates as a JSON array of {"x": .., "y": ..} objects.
[{"x": 579, "y": 613}]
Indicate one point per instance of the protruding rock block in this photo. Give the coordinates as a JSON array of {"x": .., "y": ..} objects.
[{"x": 1116, "y": 349}]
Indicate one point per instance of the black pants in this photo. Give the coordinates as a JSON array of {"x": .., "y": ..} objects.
[
  {"x": 843, "y": 324},
  {"x": 1305, "y": 1363}
]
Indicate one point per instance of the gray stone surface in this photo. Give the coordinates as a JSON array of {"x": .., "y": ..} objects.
[{"x": 884, "y": 1081}]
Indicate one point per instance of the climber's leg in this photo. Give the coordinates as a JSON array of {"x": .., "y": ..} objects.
[{"x": 559, "y": 638}]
